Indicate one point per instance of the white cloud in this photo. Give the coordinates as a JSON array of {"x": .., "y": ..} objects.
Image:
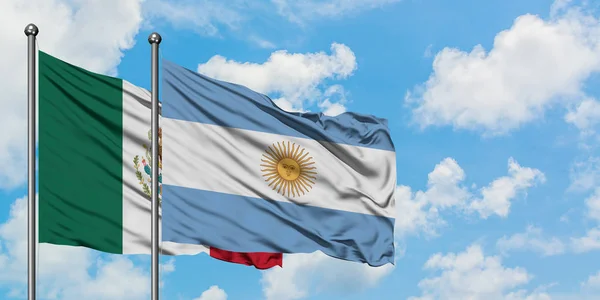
[
  {"x": 213, "y": 293},
  {"x": 590, "y": 288},
  {"x": 496, "y": 196},
  {"x": 593, "y": 205},
  {"x": 420, "y": 210},
  {"x": 214, "y": 18},
  {"x": 286, "y": 105},
  {"x": 304, "y": 274},
  {"x": 532, "y": 66},
  {"x": 262, "y": 43},
  {"x": 593, "y": 282},
  {"x": 585, "y": 116},
  {"x": 589, "y": 242},
  {"x": 295, "y": 78},
  {"x": 107, "y": 283},
  {"x": 417, "y": 213},
  {"x": 165, "y": 269},
  {"x": 335, "y": 99},
  {"x": 585, "y": 175},
  {"x": 428, "y": 51},
  {"x": 332, "y": 109},
  {"x": 302, "y": 11},
  {"x": 524, "y": 295},
  {"x": 559, "y": 6},
  {"x": 83, "y": 273},
  {"x": 446, "y": 190},
  {"x": 472, "y": 275},
  {"x": 201, "y": 16},
  {"x": 168, "y": 267},
  {"x": 91, "y": 34},
  {"x": 532, "y": 239}
]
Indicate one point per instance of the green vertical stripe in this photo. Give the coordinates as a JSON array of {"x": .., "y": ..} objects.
[{"x": 80, "y": 157}]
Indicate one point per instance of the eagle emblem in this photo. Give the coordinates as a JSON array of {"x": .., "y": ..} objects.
[{"x": 143, "y": 170}]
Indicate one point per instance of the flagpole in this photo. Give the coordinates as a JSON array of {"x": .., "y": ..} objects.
[
  {"x": 31, "y": 31},
  {"x": 154, "y": 39}
]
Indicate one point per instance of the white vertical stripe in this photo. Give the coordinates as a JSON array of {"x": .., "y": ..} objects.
[{"x": 136, "y": 205}]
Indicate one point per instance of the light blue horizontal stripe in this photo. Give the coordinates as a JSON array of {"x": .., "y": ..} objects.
[
  {"x": 245, "y": 224},
  {"x": 190, "y": 96}
]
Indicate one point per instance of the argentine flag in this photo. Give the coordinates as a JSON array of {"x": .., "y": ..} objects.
[{"x": 243, "y": 175}]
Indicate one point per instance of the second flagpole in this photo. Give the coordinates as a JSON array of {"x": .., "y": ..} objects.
[{"x": 154, "y": 39}]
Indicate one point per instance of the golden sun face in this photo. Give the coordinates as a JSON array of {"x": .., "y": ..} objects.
[{"x": 288, "y": 169}]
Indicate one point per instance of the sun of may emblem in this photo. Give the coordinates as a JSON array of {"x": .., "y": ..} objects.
[
  {"x": 145, "y": 175},
  {"x": 288, "y": 169}
]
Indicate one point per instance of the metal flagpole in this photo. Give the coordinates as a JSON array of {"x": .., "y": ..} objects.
[
  {"x": 31, "y": 32},
  {"x": 154, "y": 39}
]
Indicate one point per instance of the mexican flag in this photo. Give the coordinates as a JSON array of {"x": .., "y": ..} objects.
[{"x": 94, "y": 166}]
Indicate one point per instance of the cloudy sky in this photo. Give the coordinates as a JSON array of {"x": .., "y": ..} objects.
[{"x": 494, "y": 108}]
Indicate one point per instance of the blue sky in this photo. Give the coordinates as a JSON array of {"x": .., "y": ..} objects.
[{"x": 493, "y": 108}]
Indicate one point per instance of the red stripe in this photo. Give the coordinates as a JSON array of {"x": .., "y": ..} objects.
[{"x": 260, "y": 260}]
